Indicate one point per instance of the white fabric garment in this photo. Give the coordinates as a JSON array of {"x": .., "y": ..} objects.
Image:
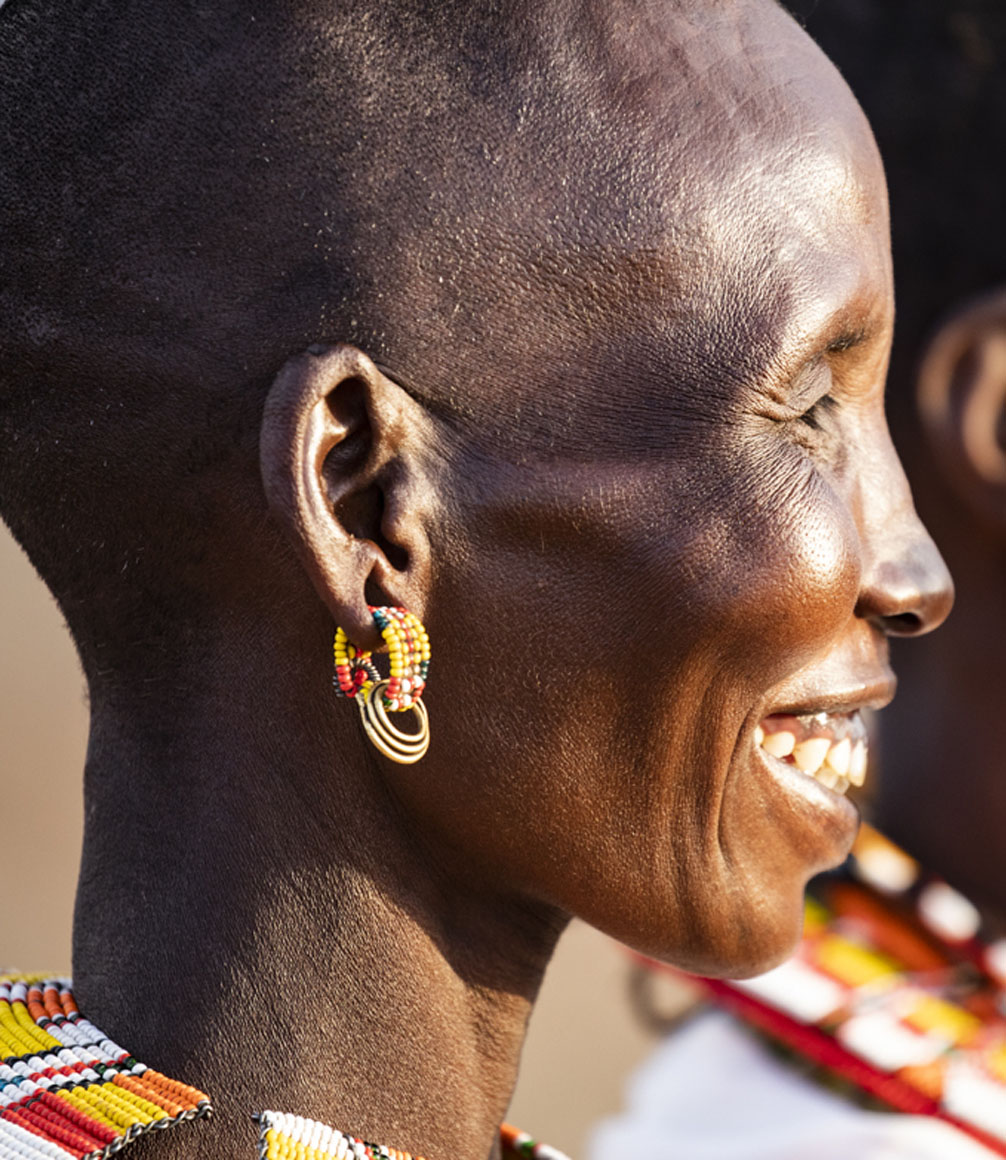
[{"x": 711, "y": 1091}]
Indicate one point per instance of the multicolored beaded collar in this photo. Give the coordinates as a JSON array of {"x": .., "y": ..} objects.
[
  {"x": 896, "y": 991},
  {"x": 67, "y": 1091}
]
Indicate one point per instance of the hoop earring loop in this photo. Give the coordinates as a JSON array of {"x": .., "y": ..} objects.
[
  {"x": 405, "y": 748},
  {"x": 356, "y": 677}
]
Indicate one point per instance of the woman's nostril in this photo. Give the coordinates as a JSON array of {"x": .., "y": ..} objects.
[
  {"x": 903, "y": 624},
  {"x": 907, "y": 591}
]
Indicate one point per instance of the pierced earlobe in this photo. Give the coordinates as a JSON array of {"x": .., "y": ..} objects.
[{"x": 356, "y": 677}]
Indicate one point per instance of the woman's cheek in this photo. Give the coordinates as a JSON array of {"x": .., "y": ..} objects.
[
  {"x": 801, "y": 564},
  {"x": 819, "y": 570}
]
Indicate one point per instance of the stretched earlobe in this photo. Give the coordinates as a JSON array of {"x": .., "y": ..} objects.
[
  {"x": 341, "y": 454},
  {"x": 961, "y": 397}
]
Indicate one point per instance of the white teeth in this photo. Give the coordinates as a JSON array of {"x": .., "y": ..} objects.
[
  {"x": 857, "y": 764},
  {"x": 827, "y": 777},
  {"x": 809, "y": 755},
  {"x": 835, "y": 764},
  {"x": 839, "y": 756},
  {"x": 779, "y": 744}
]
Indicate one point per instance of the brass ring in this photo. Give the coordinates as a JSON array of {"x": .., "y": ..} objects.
[{"x": 405, "y": 748}]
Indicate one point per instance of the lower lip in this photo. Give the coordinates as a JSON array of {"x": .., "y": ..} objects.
[{"x": 827, "y": 821}]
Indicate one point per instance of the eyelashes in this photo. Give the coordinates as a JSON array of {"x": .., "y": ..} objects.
[{"x": 817, "y": 411}]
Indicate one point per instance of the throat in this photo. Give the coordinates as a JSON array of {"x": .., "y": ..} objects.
[{"x": 248, "y": 951}]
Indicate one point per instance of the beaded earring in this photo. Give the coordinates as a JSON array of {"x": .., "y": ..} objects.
[{"x": 357, "y": 677}]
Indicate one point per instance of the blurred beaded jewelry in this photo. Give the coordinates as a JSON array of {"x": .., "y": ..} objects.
[{"x": 357, "y": 677}]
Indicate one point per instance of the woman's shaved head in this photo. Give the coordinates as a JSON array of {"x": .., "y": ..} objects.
[
  {"x": 504, "y": 205},
  {"x": 471, "y": 193}
]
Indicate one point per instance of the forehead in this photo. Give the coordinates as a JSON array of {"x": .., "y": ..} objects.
[
  {"x": 764, "y": 181},
  {"x": 786, "y": 221},
  {"x": 720, "y": 201}
]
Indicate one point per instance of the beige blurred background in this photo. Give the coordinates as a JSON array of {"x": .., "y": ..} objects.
[{"x": 584, "y": 1037}]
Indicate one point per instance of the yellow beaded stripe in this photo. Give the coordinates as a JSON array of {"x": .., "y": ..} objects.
[{"x": 68, "y": 1091}]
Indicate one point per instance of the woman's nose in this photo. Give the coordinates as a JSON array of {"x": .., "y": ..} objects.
[{"x": 907, "y": 590}]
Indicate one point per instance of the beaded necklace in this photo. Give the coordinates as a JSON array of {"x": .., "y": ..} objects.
[
  {"x": 896, "y": 992},
  {"x": 285, "y": 1137},
  {"x": 67, "y": 1092}
]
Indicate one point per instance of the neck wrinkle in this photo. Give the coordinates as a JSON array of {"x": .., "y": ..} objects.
[{"x": 255, "y": 924}]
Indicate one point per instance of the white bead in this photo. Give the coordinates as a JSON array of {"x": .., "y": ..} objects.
[{"x": 948, "y": 913}]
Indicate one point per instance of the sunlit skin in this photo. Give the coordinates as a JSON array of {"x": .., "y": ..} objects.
[
  {"x": 770, "y": 588},
  {"x": 940, "y": 788},
  {"x": 604, "y": 408}
]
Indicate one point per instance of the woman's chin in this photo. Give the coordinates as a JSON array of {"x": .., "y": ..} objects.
[{"x": 748, "y": 942}]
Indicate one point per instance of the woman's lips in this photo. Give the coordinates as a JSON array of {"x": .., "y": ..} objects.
[{"x": 832, "y": 748}]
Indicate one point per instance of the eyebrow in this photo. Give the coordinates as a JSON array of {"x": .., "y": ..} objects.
[{"x": 848, "y": 339}]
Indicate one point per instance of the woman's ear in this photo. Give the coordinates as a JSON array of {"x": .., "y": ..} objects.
[
  {"x": 961, "y": 396},
  {"x": 342, "y": 453}
]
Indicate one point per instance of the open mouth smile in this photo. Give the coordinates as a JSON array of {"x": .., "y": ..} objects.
[{"x": 831, "y": 748}]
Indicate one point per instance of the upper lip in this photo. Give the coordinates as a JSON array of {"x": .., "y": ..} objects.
[{"x": 872, "y": 695}]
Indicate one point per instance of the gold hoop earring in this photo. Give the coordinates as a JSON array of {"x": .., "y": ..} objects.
[
  {"x": 356, "y": 677},
  {"x": 405, "y": 748}
]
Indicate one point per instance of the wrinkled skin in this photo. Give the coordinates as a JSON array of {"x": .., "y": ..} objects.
[{"x": 603, "y": 405}]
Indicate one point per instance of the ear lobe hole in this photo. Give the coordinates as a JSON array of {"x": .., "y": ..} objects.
[
  {"x": 374, "y": 594},
  {"x": 396, "y": 556}
]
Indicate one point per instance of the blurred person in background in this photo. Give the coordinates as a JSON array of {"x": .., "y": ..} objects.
[{"x": 896, "y": 998}]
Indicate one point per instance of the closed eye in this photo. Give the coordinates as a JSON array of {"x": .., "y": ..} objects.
[
  {"x": 816, "y": 412},
  {"x": 848, "y": 339}
]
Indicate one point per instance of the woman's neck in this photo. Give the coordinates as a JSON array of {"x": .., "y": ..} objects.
[{"x": 253, "y": 920}]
